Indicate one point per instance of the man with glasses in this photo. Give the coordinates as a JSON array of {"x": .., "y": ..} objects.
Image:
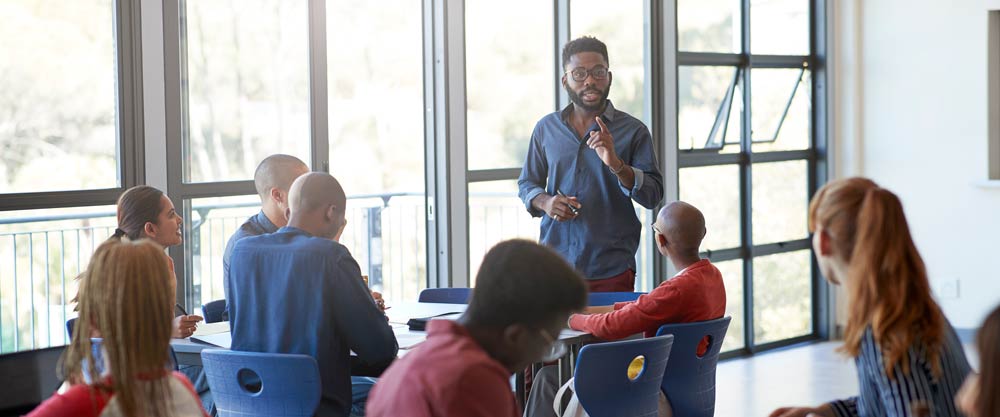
[
  {"x": 696, "y": 293},
  {"x": 524, "y": 294},
  {"x": 585, "y": 166}
]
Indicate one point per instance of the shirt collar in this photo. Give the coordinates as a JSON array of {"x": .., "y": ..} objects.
[
  {"x": 690, "y": 267},
  {"x": 265, "y": 222},
  {"x": 608, "y": 115}
]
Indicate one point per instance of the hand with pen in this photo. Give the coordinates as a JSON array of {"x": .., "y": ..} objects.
[
  {"x": 559, "y": 207},
  {"x": 185, "y": 325}
]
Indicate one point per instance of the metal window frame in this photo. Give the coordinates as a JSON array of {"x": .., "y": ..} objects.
[
  {"x": 129, "y": 146},
  {"x": 816, "y": 157},
  {"x": 177, "y": 188}
]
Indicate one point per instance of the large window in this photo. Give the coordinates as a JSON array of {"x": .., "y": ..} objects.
[
  {"x": 247, "y": 76},
  {"x": 747, "y": 140},
  {"x": 63, "y": 147}
]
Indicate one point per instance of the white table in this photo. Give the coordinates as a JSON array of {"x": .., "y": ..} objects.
[{"x": 189, "y": 352}]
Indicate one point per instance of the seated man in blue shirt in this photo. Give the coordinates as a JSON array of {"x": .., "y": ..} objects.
[
  {"x": 272, "y": 179},
  {"x": 299, "y": 291}
]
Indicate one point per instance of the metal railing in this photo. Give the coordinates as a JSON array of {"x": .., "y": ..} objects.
[{"x": 386, "y": 233}]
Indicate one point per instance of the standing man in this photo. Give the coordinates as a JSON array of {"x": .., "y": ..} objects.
[{"x": 584, "y": 167}]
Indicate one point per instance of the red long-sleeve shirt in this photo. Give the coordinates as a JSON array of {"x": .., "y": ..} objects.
[{"x": 695, "y": 294}]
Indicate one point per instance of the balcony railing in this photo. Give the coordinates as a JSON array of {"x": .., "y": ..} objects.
[{"x": 386, "y": 233}]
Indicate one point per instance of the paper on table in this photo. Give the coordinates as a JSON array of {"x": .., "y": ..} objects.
[
  {"x": 409, "y": 340},
  {"x": 205, "y": 329}
]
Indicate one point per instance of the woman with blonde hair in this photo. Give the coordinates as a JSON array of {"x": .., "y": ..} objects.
[
  {"x": 907, "y": 355},
  {"x": 127, "y": 297}
]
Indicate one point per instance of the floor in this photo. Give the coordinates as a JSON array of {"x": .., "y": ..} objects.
[{"x": 802, "y": 375}]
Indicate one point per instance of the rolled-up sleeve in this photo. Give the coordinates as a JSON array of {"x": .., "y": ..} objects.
[
  {"x": 532, "y": 181},
  {"x": 647, "y": 189}
]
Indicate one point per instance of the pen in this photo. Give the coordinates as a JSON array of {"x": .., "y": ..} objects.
[{"x": 571, "y": 208}]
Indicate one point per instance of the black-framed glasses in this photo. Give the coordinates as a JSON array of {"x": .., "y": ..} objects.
[
  {"x": 581, "y": 73},
  {"x": 656, "y": 229}
]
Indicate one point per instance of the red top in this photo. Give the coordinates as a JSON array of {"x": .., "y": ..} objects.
[
  {"x": 695, "y": 294},
  {"x": 447, "y": 375},
  {"x": 84, "y": 401}
]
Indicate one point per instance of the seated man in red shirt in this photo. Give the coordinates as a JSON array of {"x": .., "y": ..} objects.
[
  {"x": 524, "y": 295},
  {"x": 696, "y": 293}
]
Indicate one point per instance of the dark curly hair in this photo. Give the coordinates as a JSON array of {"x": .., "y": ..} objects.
[{"x": 584, "y": 44}]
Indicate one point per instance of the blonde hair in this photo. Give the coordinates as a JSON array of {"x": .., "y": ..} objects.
[
  {"x": 125, "y": 297},
  {"x": 886, "y": 279}
]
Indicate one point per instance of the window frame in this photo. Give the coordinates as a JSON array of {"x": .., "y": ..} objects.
[{"x": 815, "y": 156}]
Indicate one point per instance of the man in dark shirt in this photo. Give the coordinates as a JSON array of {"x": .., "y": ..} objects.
[{"x": 298, "y": 290}]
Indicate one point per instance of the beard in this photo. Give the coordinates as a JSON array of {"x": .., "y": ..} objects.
[{"x": 578, "y": 100}]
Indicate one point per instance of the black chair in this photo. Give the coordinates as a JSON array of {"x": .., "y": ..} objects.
[
  {"x": 30, "y": 378},
  {"x": 213, "y": 311}
]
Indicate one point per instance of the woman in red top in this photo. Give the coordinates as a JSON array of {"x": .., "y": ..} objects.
[{"x": 125, "y": 281}]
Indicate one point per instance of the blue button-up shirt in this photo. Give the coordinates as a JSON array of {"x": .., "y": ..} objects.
[
  {"x": 296, "y": 293},
  {"x": 601, "y": 242},
  {"x": 256, "y": 225}
]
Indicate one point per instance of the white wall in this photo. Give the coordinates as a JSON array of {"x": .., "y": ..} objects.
[{"x": 915, "y": 103}]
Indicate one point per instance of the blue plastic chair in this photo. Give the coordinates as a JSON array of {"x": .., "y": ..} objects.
[
  {"x": 689, "y": 381},
  {"x": 610, "y": 298},
  {"x": 213, "y": 311},
  {"x": 445, "y": 295},
  {"x": 249, "y": 384},
  {"x": 601, "y": 380}
]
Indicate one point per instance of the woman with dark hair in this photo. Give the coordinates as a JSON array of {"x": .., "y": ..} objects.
[
  {"x": 146, "y": 212},
  {"x": 909, "y": 359},
  {"x": 978, "y": 396}
]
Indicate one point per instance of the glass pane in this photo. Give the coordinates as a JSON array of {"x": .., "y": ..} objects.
[
  {"x": 621, "y": 28},
  {"x": 385, "y": 77},
  {"x": 509, "y": 58},
  {"x": 715, "y": 190},
  {"x": 209, "y": 225},
  {"x": 779, "y": 27},
  {"x": 782, "y": 296},
  {"x": 732, "y": 275},
  {"x": 702, "y": 93},
  {"x": 708, "y": 26},
  {"x": 41, "y": 253},
  {"x": 495, "y": 215},
  {"x": 247, "y": 85},
  {"x": 782, "y": 109},
  {"x": 780, "y": 202},
  {"x": 57, "y": 96}
]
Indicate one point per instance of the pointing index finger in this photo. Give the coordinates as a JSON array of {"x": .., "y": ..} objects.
[{"x": 604, "y": 127}]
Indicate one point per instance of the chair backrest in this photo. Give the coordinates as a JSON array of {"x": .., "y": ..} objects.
[
  {"x": 213, "y": 311},
  {"x": 602, "y": 381},
  {"x": 610, "y": 298},
  {"x": 70, "y": 325},
  {"x": 249, "y": 384},
  {"x": 445, "y": 295},
  {"x": 689, "y": 381}
]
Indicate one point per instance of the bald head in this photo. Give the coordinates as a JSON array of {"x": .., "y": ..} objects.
[
  {"x": 684, "y": 227},
  {"x": 277, "y": 171},
  {"x": 316, "y": 191}
]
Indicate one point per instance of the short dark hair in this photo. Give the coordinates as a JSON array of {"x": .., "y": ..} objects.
[
  {"x": 584, "y": 44},
  {"x": 522, "y": 282}
]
